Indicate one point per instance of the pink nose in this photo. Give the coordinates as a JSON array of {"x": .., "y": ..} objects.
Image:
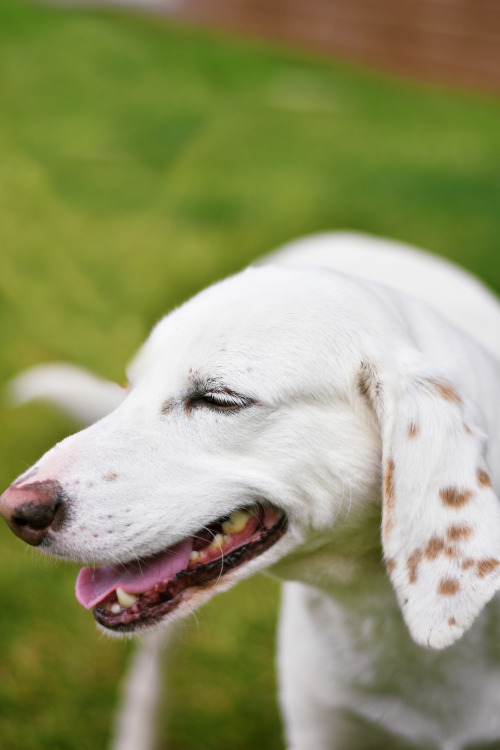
[{"x": 33, "y": 509}]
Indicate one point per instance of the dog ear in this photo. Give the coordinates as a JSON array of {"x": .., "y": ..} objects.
[{"x": 440, "y": 515}]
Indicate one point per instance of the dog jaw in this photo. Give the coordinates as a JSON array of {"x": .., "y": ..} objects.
[{"x": 122, "y": 610}]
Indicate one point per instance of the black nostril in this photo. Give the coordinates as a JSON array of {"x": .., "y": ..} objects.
[
  {"x": 19, "y": 521},
  {"x": 31, "y": 510},
  {"x": 36, "y": 515}
]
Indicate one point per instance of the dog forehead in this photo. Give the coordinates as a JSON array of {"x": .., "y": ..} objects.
[
  {"x": 263, "y": 320},
  {"x": 268, "y": 300}
]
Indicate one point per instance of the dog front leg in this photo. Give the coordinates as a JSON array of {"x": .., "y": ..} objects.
[
  {"x": 307, "y": 700},
  {"x": 135, "y": 726}
]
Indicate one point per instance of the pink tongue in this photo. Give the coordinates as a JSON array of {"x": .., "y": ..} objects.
[{"x": 94, "y": 584}]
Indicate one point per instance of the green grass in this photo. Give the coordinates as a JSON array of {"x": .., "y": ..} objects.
[{"x": 138, "y": 163}]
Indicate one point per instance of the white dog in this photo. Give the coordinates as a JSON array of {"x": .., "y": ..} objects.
[{"x": 342, "y": 434}]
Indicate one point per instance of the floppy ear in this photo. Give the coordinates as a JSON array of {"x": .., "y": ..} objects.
[{"x": 440, "y": 515}]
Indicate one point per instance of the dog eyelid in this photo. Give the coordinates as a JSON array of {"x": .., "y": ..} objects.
[{"x": 226, "y": 401}]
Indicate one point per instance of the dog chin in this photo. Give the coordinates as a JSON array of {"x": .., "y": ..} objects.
[
  {"x": 193, "y": 600},
  {"x": 196, "y": 598}
]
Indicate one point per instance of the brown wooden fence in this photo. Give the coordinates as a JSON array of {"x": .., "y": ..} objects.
[{"x": 445, "y": 41}]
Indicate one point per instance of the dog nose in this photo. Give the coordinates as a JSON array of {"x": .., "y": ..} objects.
[{"x": 34, "y": 509}]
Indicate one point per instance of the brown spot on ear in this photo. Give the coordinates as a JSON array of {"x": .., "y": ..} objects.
[
  {"x": 445, "y": 390},
  {"x": 485, "y": 567},
  {"x": 363, "y": 384},
  {"x": 390, "y": 565},
  {"x": 434, "y": 548},
  {"x": 413, "y": 430},
  {"x": 367, "y": 383},
  {"x": 452, "y": 621},
  {"x": 454, "y": 498},
  {"x": 448, "y": 587},
  {"x": 389, "y": 494},
  {"x": 457, "y": 533},
  {"x": 450, "y": 551},
  {"x": 467, "y": 563},
  {"x": 110, "y": 477},
  {"x": 483, "y": 478},
  {"x": 412, "y": 564},
  {"x": 166, "y": 406}
]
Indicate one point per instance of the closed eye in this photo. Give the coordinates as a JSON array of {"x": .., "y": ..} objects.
[{"x": 221, "y": 401}]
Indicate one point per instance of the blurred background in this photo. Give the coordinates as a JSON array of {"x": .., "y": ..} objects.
[{"x": 148, "y": 151}]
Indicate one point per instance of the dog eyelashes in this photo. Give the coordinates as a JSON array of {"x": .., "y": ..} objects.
[{"x": 221, "y": 401}]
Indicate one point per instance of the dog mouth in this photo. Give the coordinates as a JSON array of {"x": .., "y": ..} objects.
[{"x": 142, "y": 592}]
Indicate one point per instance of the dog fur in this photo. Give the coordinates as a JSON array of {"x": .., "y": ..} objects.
[{"x": 366, "y": 408}]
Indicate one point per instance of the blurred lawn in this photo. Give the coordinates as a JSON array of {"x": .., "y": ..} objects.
[{"x": 138, "y": 163}]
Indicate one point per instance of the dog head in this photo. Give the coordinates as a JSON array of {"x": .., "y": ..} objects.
[{"x": 256, "y": 412}]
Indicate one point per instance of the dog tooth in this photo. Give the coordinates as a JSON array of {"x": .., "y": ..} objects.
[
  {"x": 116, "y": 608},
  {"x": 236, "y": 522},
  {"x": 194, "y": 556},
  {"x": 216, "y": 541},
  {"x": 219, "y": 541},
  {"x": 126, "y": 600}
]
